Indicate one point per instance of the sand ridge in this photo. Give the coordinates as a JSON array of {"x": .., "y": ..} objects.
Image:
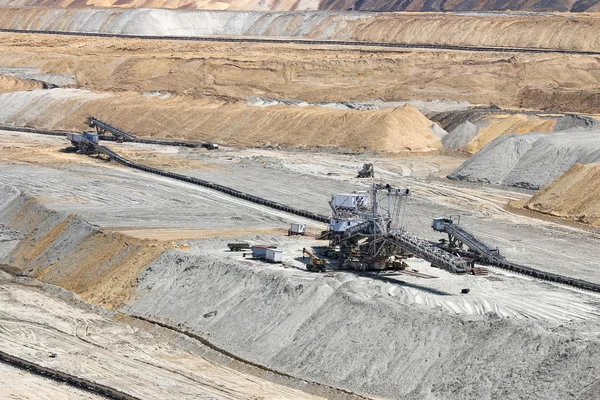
[
  {"x": 574, "y": 195},
  {"x": 402, "y": 129}
]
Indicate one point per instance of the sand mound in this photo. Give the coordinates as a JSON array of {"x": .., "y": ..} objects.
[
  {"x": 393, "y": 130},
  {"x": 518, "y": 123},
  {"x": 571, "y": 121},
  {"x": 438, "y": 131},
  {"x": 575, "y": 195},
  {"x": 12, "y": 84},
  {"x": 535, "y": 31},
  {"x": 530, "y": 161},
  {"x": 460, "y": 136}
]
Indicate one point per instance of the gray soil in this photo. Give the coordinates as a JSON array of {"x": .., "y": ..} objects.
[
  {"x": 460, "y": 136},
  {"x": 532, "y": 160}
]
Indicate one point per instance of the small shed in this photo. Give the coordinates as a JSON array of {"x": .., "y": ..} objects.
[
  {"x": 274, "y": 255},
  {"x": 260, "y": 250},
  {"x": 298, "y": 229}
]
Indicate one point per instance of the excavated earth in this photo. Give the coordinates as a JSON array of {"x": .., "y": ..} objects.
[
  {"x": 94, "y": 253},
  {"x": 157, "y": 250}
]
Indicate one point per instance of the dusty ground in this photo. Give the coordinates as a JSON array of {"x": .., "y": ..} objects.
[
  {"x": 38, "y": 320},
  {"x": 272, "y": 318},
  {"x": 309, "y": 74}
]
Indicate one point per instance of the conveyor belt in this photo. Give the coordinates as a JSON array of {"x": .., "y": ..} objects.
[
  {"x": 429, "y": 252},
  {"x": 102, "y": 137},
  {"x": 214, "y": 186},
  {"x": 486, "y": 255}
]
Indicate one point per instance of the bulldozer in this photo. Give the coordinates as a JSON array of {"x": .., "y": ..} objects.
[{"x": 366, "y": 171}]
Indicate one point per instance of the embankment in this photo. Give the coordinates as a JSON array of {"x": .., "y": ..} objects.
[
  {"x": 206, "y": 119},
  {"x": 512, "y": 30},
  {"x": 574, "y": 196},
  {"x": 349, "y": 333},
  {"x": 64, "y": 250}
]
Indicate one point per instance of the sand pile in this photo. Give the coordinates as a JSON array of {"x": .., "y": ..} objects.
[
  {"x": 461, "y": 135},
  {"x": 12, "y": 84},
  {"x": 66, "y": 251},
  {"x": 579, "y": 33},
  {"x": 575, "y": 195},
  {"x": 572, "y": 121},
  {"x": 531, "y": 160},
  {"x": 518, "y": 123},
  {"x": 207, "y": 119}
]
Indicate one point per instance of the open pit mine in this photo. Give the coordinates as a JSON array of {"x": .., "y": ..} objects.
[{"x": 299, "y": 200}]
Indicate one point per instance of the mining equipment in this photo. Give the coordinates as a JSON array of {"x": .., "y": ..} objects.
[
  {"x": 366, "y": 233},
  {"x": 316, "y": 264},
  {"x": 85, "y": 143},
  {"x": 366, "y": 171},
  {"x": 102, "y": 128},
  {"x": 238, "y": 246}
]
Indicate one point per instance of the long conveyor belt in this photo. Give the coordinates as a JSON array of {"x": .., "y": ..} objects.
[
  {"x": 486, "y": 255},
  {"x": 215, "y": 186}
]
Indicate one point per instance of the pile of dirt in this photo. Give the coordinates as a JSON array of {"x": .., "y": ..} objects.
[
  {"x": 513, "y": 30},
  {"x": 531, "y": 160},
  {"x": 461, "y": 135},
  {"x": 575, "y": 195},
  {"x": 560, "y": 99},
  {"x": 572, "y": 121},
  {"x": 101, "y": 267},
  {"x": 503, "y": 125},
  {"x": 12, "y": 84},
  {"x": 342, "y": 5},
  {"x": 206, "y": 119}
]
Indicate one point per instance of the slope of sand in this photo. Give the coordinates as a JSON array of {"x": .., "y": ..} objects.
[
  {"x": 518, "y": 123},
  {"x": 319, "y": 74},
  {"x": 576, "y": 32},
  {"x": 532, "y": 160},
  {"x": 342, "y": 5},
  {"x": 391, "y": 130},
  {"x": 575, "y": 195},
  {"x": 12, "y": 84}
]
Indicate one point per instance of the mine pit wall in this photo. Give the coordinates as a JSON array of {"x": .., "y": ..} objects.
[
  {"x": 352, "y": 334},
  {"x": 344, "y": 332},
  {"x": 64, "y": 250}
]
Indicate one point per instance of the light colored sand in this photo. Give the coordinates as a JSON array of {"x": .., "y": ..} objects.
[{"x": 574, "y": 195}]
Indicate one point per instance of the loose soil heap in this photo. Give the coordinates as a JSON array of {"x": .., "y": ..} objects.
[
  {"x": 206, "y": 119},
  {"x": 11, "y": 84},
  {"x": 518, "y": 123},
  {"x": 532, "y": 160},
  {"x": 575, "y": 195}
]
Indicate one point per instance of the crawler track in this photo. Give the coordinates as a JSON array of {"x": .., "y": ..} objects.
[
  {"x": 69, "y": 379},
  {"x": 312, "y": 42}
]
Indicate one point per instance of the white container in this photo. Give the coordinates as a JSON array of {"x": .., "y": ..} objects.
[
  {"x": 260, "y": 250},
  {"x": 274, "y": 255},
  {"x": 298, "y": 229}
]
